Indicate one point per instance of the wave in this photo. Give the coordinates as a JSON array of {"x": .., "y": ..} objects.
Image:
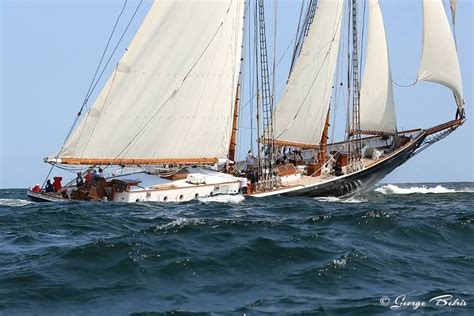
[
  {"x": 178, "y": 223},
  {"x": 14, "y": 202},
  {"x": 439, "y": 189},
  {"x": 333, "y": 199},
  {"x": 223, "y": 199}
]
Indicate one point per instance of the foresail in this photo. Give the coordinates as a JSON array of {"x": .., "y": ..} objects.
[
  {"x": 301, "y": 112},
  {"x": 377, "y": 107},
  {"x": 439, "y": 60},
  {"x": 171, "y": 97}
]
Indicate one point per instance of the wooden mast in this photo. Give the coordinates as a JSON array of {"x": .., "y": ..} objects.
[
  {"x": 322, "y": 147},
  {"x": 235, "y": 122}
]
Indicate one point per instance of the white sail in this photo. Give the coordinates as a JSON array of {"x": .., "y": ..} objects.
[
  {"x": 301, "y": 112},
  {"x": 439, "y": 60},
  {"x": 173, "y": 92},
  {"x": 377, "y": 107}
]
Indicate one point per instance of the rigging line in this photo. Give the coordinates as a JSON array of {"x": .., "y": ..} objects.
[
  {"x": 295, "y": 49},
  {"x": 242, "y": 70},
  {"x": 275, "y": 25},
  {"x": 114, "y": 50},
  {"x": 174, "y": 92},
  {"x": 361, "y": 62},
  {"x": 405, "y": 86},
  {"x": 278, "y": 64},
  {"x": 251, "y": 78},
  {"x": 339, "y": 79},
  {"x": 103, "y": 54}
]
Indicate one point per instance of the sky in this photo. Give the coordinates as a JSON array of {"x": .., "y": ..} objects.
[{"x": 50, "y": 49}]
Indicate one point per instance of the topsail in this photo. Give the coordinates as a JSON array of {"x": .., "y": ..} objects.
[
  {"x": 439, "y": 60},
  {"x": 299, "y": 117},
  {"x": 171, "y": 96},
  {"x": 377, "y": 109}
]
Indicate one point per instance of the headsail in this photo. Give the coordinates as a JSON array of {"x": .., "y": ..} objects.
[
  {"x": 377, "y": 108},
  {"x": 439, "y": 60},
  {"x": 171, "y": 97},
  {"x": 299, "y": 118}
]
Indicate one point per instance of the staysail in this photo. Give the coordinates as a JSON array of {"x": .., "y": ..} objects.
[
  {"x": 439, "y": 60},
  {"x": 300, "y": 115},
  {"x": 172, "y": 94},
  {"x": 377, "y": 107}
]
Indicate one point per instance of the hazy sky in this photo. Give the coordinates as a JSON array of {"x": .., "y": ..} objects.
[{"x": 50, "y": 49}]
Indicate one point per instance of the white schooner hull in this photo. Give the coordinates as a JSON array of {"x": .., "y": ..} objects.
[{"x": 144, "y": 187}]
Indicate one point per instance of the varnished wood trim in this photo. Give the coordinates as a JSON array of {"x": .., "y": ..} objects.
[{"x": 131, "y": 161}]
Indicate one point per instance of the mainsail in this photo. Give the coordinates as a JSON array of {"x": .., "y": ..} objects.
[
  {"x": 171, "y": 97},
  {"x": 300, "y": 115},
  {"x": 439, "y": 60},
  {"x": 377, "y": 109}
]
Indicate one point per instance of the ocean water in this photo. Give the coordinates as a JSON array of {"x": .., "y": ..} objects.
[{"x": 388, "y": 252}]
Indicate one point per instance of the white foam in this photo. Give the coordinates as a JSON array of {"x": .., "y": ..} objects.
[
  {"x": 223, "y": 199},
  {"x": 14, "y": 202},
  {"x": 333, "y": 199},
  {"x": 439, "y": 189},
  {"x": 179, "y": 222},
  {"x": 340, "y": 263}
]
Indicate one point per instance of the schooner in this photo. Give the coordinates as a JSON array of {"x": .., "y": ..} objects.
[{"x": 164, "y": 126}]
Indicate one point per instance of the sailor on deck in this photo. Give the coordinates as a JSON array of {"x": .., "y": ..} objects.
[
  {"x": 250, "y": 159},
  {"x": 57, "y": 184},
  {"x": 79, "y": 180},
  {"x": 49, "y": 186}
]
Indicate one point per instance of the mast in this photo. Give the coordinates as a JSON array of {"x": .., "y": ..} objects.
[
  {"x": 321, "y": 158},
  {"x": 266, "y": 175},
  {"x": 355, "y": 136},
  {"x": 235, "y": 119},
  {"x": 257, "y": 86}
]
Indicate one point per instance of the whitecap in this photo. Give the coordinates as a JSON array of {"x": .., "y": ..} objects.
[
  {"x": 340, "y": 262},
  {"x": 14, "y": 202},
  {"x": 439, "y": 189},
  {"x": 179, "y": 222},
  {"x": 223, "y": 199},
  {"x": 333, "y": 199}
]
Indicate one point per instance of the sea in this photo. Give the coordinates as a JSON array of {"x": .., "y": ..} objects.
[{"x": 400, "y": 249}]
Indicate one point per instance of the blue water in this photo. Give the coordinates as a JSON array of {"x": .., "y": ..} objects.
[{"x": 228, "y": 255}]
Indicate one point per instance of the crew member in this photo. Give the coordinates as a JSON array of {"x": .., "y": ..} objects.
[
  {"x": 57, "y": 184},
  {"x": 79, "y": 180},
  {"x": 338, "y": 169},
  {"x": 36, "y": 188},
  {"x": 244, "y": 185},
  {"x": 250, "y": 159},
  {"x": 89, "y": 176},
  {"x": 49, "y": 187}
]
